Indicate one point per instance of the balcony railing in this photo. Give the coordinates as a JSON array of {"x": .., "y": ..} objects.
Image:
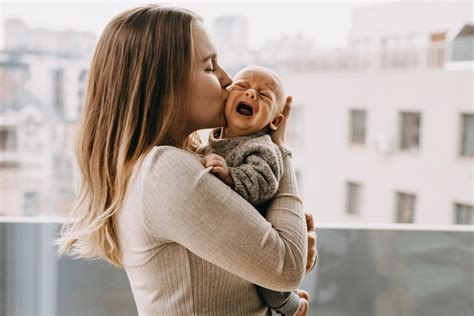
[
  {"x": 362, "y": 270},
  {"x": 433, "y": 56}
]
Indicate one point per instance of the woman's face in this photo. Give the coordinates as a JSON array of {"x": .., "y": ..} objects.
[{"x": 208, "y": 93}]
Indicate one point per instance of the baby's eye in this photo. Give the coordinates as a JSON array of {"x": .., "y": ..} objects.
[
  {"x": 239, "y": 85},
  {"x": 265, "y": 95}
]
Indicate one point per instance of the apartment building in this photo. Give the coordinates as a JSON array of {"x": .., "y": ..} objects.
[
  {"x": 41, "y": 97},
  {"x": 386, "y": 126}
]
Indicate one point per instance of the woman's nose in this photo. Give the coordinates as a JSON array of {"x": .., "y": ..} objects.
[{"x": 251, "y": 94}]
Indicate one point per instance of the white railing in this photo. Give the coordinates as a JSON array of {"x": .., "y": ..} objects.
[
  {"x": 433, "y": 56},
  {"x": 324, "y": 225}
]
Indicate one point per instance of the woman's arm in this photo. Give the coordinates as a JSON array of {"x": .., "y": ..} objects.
[{"x": 184, "y": 203}]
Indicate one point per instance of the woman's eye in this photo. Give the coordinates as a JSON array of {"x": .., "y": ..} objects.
[{"x": 210, "y": 67}]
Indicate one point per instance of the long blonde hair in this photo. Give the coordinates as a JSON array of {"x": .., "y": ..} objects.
[{"x": 136, "y": 92}]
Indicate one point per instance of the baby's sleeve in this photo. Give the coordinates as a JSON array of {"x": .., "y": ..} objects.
[{"x": 257, "y": 178}]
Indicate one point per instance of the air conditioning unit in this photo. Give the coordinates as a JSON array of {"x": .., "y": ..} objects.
[{"x": 383, "y": 144}]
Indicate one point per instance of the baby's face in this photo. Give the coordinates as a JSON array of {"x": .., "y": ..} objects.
[{"x": 255, "y": 100}]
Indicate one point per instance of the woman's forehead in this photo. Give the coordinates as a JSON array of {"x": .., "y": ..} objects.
[{"x": 204, "y": 47}]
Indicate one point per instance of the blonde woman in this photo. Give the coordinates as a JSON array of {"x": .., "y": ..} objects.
[{"x": 189, "y": 244}]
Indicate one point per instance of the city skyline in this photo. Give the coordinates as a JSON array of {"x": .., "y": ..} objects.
[{"x": 326, "y": 23}]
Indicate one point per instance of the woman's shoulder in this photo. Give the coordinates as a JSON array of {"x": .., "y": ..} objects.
[
  {"x": 170, "y": 164},
  {"x": 168, "y": 155}
]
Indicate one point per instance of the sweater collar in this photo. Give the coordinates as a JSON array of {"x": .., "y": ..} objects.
[{"x": 216, "y": 141}]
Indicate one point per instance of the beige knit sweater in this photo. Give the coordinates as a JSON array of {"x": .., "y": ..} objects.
[{"x": 193, "y": 246}]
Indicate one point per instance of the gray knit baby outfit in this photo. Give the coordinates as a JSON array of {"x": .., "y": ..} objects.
[{"x": 256, "y": 166}]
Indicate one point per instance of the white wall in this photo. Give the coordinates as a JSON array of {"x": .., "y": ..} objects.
[
  {"x": 409, "y": 17},
  {"x": 435, "y": 173}
]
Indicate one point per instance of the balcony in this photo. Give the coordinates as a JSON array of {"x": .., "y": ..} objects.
[
  {"x": 341, "y": 60},
  {"x": 363, "y": 270}
]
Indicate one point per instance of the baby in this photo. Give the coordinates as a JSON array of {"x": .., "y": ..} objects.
[{"x": 243, "y": 155}]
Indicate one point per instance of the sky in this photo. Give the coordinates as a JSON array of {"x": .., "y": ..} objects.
[{"x": 325, "y": 22}]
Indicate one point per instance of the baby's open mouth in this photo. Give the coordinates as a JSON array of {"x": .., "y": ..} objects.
[{"x": 244, "y": 109}]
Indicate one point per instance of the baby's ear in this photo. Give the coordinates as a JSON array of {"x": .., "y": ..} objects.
[{"x": 277, "y": 121}]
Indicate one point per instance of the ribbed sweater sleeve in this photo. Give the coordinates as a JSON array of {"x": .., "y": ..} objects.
[{"x": 184, "y": 203}]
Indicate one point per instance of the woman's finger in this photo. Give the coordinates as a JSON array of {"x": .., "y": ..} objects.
[
  {"x": 279, "y": 136},
  {"x": 311, "y": 240},
  {"x": 312, "y": 256},
  {"x": 309, "y": 221},
  {"x": 288, "y": 106}
]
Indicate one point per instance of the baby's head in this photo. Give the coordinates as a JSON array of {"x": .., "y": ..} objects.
[{"x": 256, "y": 101}]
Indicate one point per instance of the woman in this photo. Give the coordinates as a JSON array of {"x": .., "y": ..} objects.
[{"x": 189, "y": 244}]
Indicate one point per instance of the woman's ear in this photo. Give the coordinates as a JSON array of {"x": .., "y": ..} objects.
[{"x": 277, "y": 121}]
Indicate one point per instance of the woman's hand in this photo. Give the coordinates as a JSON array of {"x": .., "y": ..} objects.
[
  {"x": 312, "y": 241},
  {"x": 279, "y": 136},
  {"x": 303, "y": 309}
]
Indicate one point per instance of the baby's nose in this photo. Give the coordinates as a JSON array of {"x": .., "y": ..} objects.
[{"x": 251, "y": 94}]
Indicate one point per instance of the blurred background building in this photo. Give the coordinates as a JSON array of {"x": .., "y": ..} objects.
[
  {"x": 387, "y": 124},
  {"x": 382, "y": 129},
  {"x": 42, "y": 83}
]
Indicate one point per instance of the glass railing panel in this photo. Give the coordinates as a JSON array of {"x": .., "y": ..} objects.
[{"x": 364, "y": 270}]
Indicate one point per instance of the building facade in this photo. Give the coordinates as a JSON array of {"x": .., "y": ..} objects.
[{"x": 388, "y": 123}]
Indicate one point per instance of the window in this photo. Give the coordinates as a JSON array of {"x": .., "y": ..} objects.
[
  {"x": 405, "y": 207},
  {"x": 463, "y": 214},
  {"x": 462, "y": 44},
  {"x": 437, "y": 50},
  {"x": 467, "y": 135},
  {"x": 8, "y": 141},
  {"x": 58, "y": 91},
  {"x": 30, "y": 203},
  {"x": 410, "y": 130},
  {"x": 353, "y": 192},
  {"x": 357, "y": 128},
  {"x": 82, "y": 91}
]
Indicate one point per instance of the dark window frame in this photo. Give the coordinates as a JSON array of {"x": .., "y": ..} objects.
[
  {"x": 405, "y": 202},
  {"x": 353, "y": 197},
  {"x": 357, "y": 134},
  {"x": 410, "y": 130}
]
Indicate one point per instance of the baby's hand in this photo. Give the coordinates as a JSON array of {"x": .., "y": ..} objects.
[{"x": 219, "y": 168}]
